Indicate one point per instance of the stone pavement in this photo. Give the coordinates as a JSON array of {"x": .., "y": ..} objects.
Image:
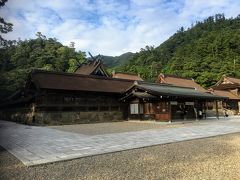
[{"x": 37, "y": 145}]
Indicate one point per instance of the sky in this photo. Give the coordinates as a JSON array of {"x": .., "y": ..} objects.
[{"x": 109, "y": 27}]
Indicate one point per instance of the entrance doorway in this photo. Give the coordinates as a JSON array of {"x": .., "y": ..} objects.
[{"x": 181, "y": 111}]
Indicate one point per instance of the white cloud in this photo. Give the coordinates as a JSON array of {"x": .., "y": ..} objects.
[{"x": 110, "y": 27}]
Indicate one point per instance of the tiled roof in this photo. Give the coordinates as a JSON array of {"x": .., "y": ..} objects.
[
  {"x": 77, "y": 82},
  {"x": 227, "y": 83},
  {"x": 180, "y": 81},
  {"x": 173, "y": 91},
  {"x": 234, "y": 80},
  {"x": 88, "y": 69},
  {"x": 130, "y": 76},
  {"x": 85, "y": 69},
  {"x": 226, "y": 94},
  {"x": 225, "y": 86}
]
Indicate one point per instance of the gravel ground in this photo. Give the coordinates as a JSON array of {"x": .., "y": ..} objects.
[
  {"x": 210, "y": 158},
  {"x": 119, "y": 127}
]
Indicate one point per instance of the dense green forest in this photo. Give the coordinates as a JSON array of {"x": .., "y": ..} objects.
[
  {"x": 204, "y": 52},
  {"x": 20, "y": 57}
]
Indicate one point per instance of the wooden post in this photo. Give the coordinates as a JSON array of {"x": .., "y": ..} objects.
[
  {"x": 217, "y": 110},
  {"x": 238, "y": 107},
  {"x": 31, "y": 118},
  {"x": 170, "y": 112},
  {"x": 196, "y": 115},
  {"x": 205, "y": 109}
]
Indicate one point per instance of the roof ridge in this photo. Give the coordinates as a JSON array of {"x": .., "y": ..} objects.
[
  {"x": 176, "y": 76},
  {"x": 78, "y": 75},
  {"x": 163, "y": 84},
  {"x": 126, "y": 73},
  {"x": 233, "y": 77}
]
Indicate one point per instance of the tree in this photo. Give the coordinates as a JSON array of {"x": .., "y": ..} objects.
[
  {"x": 40, "y": 35},
  {"x": 204, "y": 52},
  {"x": 42, "y": 52},
  {"x": 73, "y": 65},
  {"x": 5, "y": 27}
]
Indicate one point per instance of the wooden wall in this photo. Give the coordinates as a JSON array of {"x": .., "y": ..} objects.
[{"x": 71, "y": 107}]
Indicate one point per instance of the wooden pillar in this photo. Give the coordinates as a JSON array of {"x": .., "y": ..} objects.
[
  {"x": 196, "y": 115},
  {"x": 170, "y": 112},
  {"x": 238, "y": 107},
  {"x": 217, "y": 115},
  {"x": 31, "y": 118},
  {"x": 205, "y": 109}
]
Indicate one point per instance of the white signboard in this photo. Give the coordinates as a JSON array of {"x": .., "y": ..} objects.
[
  {"x": 189, "y": 103},
  {"x": 173, "y": 102}
]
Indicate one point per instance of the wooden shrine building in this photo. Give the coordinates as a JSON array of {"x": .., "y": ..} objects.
[
  {"x": 228, "y": 87},
  {"x": 166, "y": 102},
  {"x": 63, "y": 98},
  {"x": 91, "y": 95}
]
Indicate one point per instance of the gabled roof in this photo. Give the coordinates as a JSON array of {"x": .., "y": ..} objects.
[
  {"x": 123, "y": 75},
  {"x": 180, "y": 81},
  {"x": 234, "y": 80},
  {"x": 227, "y": 83},
  {"x": 92, "y": 68},
  {"x": 224, "y": 86},
  {"x": 226, "y": 94},
  {"x": 165, "y": 90},
  {"x": 77, "y": 82}
]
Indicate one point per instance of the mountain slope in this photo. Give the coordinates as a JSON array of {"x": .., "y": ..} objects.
[
  {"x": 112, "y": 61},
  {"x": 204, "y": 52}
]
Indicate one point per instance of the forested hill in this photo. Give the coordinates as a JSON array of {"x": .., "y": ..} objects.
[
  {"x": 19, "y": 58},
  {"x": 112, "y": 61},
  {"x": 204, "y": 52}
]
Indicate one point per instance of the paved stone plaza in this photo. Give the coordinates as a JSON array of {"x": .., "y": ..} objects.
[{"x": 36, "y": 145}]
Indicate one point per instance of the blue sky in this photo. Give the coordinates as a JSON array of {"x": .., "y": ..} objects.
[{"x": 110, "y": 27}]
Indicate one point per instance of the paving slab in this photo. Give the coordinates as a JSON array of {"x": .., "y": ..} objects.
[{"x": 37, "y": 145}]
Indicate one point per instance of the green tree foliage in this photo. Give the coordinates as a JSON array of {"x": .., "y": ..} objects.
[
  {"x": 145, "y": 63},
  {"x": 5, "y": 27},
  {"x": 18, "y": 59},
  {"x": 204, "y": 52}
]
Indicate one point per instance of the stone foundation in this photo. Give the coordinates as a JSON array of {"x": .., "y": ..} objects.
[
  {"x": 57, "y": 118},
  {"x": 19, "y": 115}
]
